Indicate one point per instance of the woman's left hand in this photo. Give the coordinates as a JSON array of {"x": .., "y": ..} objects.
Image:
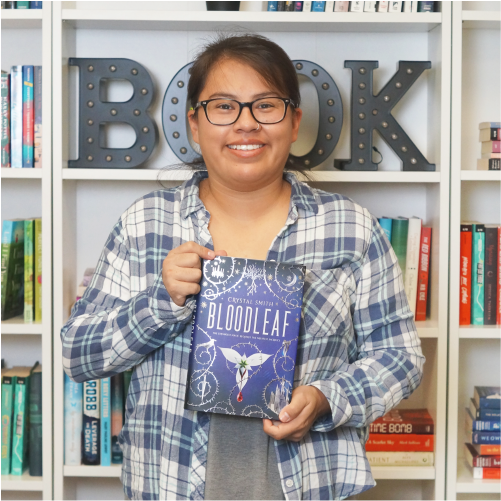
[{"x": 308, "y": 403}]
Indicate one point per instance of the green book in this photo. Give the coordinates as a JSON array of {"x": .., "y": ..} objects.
[
  {"x": 20, "y": 422},
  {"x": 35, "y": 443},
  {"x": 29, "y": 271},
  {"x": 23, "y": 5},
  {"x": 12, "y": 268},
  {"x": 8, "y": 384},
  {"x": 477, "y": 274},
  {"x": 38, "y": 270},
  {"x": 399, "y": 232}
]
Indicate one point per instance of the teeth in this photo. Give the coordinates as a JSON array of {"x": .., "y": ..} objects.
[{"x": 245, "y": 146}]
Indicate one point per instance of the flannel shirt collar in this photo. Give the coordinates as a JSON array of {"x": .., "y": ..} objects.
[{"x": 301, "y": 195}]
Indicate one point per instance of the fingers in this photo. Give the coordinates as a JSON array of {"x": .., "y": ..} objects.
[
  {"x": 189, "y": 247},
  {"x": 294, "y": 430}
]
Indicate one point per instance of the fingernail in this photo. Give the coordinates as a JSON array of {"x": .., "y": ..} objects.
[
  {"x": 211, "y": 254},
  {"x": 284, "y": 417}
]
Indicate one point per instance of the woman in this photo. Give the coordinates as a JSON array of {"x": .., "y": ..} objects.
[{"x": 358, "y": 353}]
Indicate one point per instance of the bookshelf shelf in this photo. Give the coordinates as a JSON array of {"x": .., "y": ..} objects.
[
  {"x": 8, "y": 173},
  {"x": 93, "y": 471},
  {"x": 467, "y": 484},
  {"x": 480, "y": 332},
  {"x": 23, "y": 482},
  {"x": 17, "y": 325},
  {"x": 403, "y": 472},
  {"x": 480, "y": 175},
  {"x": 487, "y": 20},
  {"x": 20, "y": 19},
  {"x": 428, "y": 329}
]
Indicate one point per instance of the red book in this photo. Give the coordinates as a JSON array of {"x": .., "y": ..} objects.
[
  {"x": 465, "y": 275},
  {"x": 423, "y": 273},
  {"x": 490, "y": 473},
  {"x": 404, "y": 422},
  {"x": 498, "y": 313},
  {"x": 475, "y": 460},
  {"x": 394, "y": 442},
  {"x": 487, "y": 449}
]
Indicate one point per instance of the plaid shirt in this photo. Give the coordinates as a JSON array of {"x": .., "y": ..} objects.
[{"x": 360, "y": 347}]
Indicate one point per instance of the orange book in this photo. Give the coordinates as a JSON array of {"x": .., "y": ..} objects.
[
  {"x": 423, "y": 274},
  {"x": 396, "y": 442},
  {"x": 487, "y": 449},
  {"x": 465, "y": 275},
  {"x": 490, "y": 473}
]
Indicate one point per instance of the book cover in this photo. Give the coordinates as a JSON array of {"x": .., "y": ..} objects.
[
  {"x": 8, "y": 385},
  {"x": 412, "y": 261},
  {"x": 397, "y": 442},
  {"x": 28, "y": 116},
  {"x": 307, "y": 6},
  {"x": 317, "y": 6},
  {"x": 484, "y": 414},
  {"x": 423, "y": 274},
  {"x": 73, "y": 421},
  {"x": 5, "y": 106},
  {"x": 16, "y": 117},
  {"x": 400, "y": 229},
  {"x": 404, "y": 422},
  {"x": 477, "y": 279},
  {"x": 491, "y": 265},
  {"x": 37, "y": 131},
  {"x": 356, "y": 6},
  {"x": 105, "y": 422},
  {"x": 20, "y": 422},
  {"x": 474, "y": 459},
  {"x": 395, "y": 6},
  {"x": 489, "y": 134},
  {"x": 483, "y": 437},
  {"x": 426, "y": 6},
  {"x": 487, "y": 473},
  {"x": 298, "y": 6},
  {"x": 490, "y": 147},
  {"x": 487, "y": 397},
  {"x": 465, "y": 274},
  {"x": 382, "y": 6},
  {"x": 91, "y": 423},
  {"x": 35, "y": 459},
  {"x": 272, "y": 6},
  {"x": 498, "y": 307},
  {"x": 117, "y": 416},
  {"x": 386, "y": 225},
  {"x": 400, "y": 458},
  {"x": 478, "y": 425},
  {"x": 38, "y": 270},
  {"x": 244, "y": 337},
  {"x": 370, "y": 6},
  {"x": 489, "y": 164},
  {"x": 487, "y": 449},
  {"x": 329, "y": 6},
  {"x": 29, "y": 271},
  {"x": 341, "y": 6}
]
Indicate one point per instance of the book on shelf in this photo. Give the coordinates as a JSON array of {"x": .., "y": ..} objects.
[
  {"x": 28, "y": 116},
  {"x": 91, "y": 423},
  {"x": 272, "y": 6},
  {"x": 307, "y": 6},
  {"x": 487, "y": 449},
  {"x": 23, "y": 5},
  {"x": 423, "y": 274},
  {"x": 35, "y": 423},
  {"x": 465, "y": 276},
  {"x": 483, "y": 437},
  {"x": 490, "y": 147},
  {"x": 73, "y": 421},
  {"x": 382, "y": 6},
  {"x": 356, "y": 6},
  {"x": 487, "y": 397},
  {"x": 479, "y": 425},
  {"x": 394, "y": 7},
  {"x": 412, "y": 261},
  {"x": 35, "y": 5},
  {"x": 484, "y": 414},
  {"x": 37, "y": 125},
  {"x": 117, "y": 416},
  {"x": 399, "y": 233},
  {"x": 404, "y": 422},
  {"x": 16, "y": 117},
  {"x": 341, "y": 6},
  {"x": 289, "y": 6},
  {"x": 386, "y": 224},
  {"x": 489, "y": 164},
  {"x": 298, "y": 6},
  {"x": 489, "y": 134},
  {"x": 426, "y": 6},
  {"x": 8, "y": 385},
  {"x": 317, "y": 6},
  {"x": 400, "y": 442},
  {"x": 477, "y": 285},
  {"x": 38, "y": 269},
  {"x": 399, "y": 458},
  {"x": 498, "y": 306},
  {"x": 491, "y": 267},
  {"x": 105, "y": 421},
  {"x": 329, "y": 6},
  {"x": 29, "y": 271},
  {"x": 475, "y": 460},
  {"x": 240, "y": 333},
  {"x": 5, "y": 124},
  {"x": 487, "y": 473},
  {"x": 370, "y": 6},
  {"x": 490, "y": 155}
]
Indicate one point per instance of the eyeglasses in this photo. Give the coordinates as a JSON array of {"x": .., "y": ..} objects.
[{"x": 267, "y": 110}]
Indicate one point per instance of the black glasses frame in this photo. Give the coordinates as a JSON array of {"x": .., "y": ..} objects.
[{"x": 204, "y": 104}]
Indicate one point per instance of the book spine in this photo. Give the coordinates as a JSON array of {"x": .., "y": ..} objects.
[
  {"x": 307, "y": 6},
  {"x": 395, "y": 7},
  {"x": 381, "y": 458},
  {"x": 370, "y": 6},
  {"x": 28, "y": 116},
  {"x": 19, "y": 428},
  {"x": 35, "y": 5},
  {"x": 23, "y": 5},
  {"x": 341, "y": 6},
  {"x": 386, "y": 224},
  {"x": 91, "y": 415},
  {"x": 426, "y": 6},
  {"x": 117, "y": 404},
  {"x": 423, "y": 274},
  {"x": 35, "y": 424},
  {"x": 5, "y": 105},
  {"x": 407, "y": 6},
  {"x": 356, "y": 6},
  {"x": 491, "y": 264},
  {"x": 272, "y": 6},
  {"x": 498, "y": 307},
  {"x": 404, "y": 427},
  {"x": 400, "y": 228},
  {"x": 412, "y": 262},
  {"x": 406, "y": 443},
  {"x": 465, "y": 276},
  {"x": 105, "y": 423},
  {"x": 485, "y": 437},
  {"x": 317, "y": 6},
  {"x": 38, "y": 270},
  {"x": 16, "y": 117},
  {"x": 298, "y": 6},
  {"x": 8, "y": 384},
  {"x": 7, "y": 229},
  {"x": 487, "y": 473},
  {"x": 289, "y": 6},
  {"x": 28, "y": 271},
  {"x": 73, "y": 424},
  {"x": 329, "y": 6},
  {"x": 280, "y": 6},
  {"x": 477, "y": 279},
  {"x": 485, "y": 425},
  {"x": 414, "y": 6},
  {"x": 487, "y": 461},
  {"x": 489, "y": 449},
  {"x": 37, "y": 132},
  {"x": 382, "y": 6},
  {"x": 14, "y": 290}
]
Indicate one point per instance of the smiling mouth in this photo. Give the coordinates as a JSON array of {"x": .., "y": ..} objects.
[{"x": 244, "y": 146}]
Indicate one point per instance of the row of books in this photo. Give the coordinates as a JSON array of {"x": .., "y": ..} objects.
[
  {"x": 411, "y": 242},
  {"x": 483, "y": 447},
  {"x": 407, "y": 6},
  {"x": 22, "y": 420},
  {"x": 22, "y": 269},
  {"x": 21, "y": 120},
  {"x": 402, "y": 437},
  {"x": 93, "y": 418},
  {"x": 480, "y": 274},
  {"x": 21, "y": 5},
  {"x": 490, "y": 146}
]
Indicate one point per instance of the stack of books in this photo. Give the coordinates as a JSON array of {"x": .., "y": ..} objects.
[
  {"x": 403, "y": 437},
  {"x": 491, "y": 146},
  {"x": 480, "y": 274},
  {"x": 22, "y": 420},
  {"x": 482, "y": 447},
  {"x": 411, "y": 242},
  {"x": 21, "y": 120},
  {"x": 22, "y": 269},
  {"x": 407, "y": 6},
  {"x": 21, "y": 5}
]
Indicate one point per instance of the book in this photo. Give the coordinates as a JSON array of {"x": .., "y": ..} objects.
[
  {"x": 382, "y": 6},
  {"x": 298, "y": 6},
  {"x": 29, "y": 271},
  {"x": 317, "y": 6},
  {"x": 404, "y": 422},
  {"x": 35, "y": 459},
  {"x": 426, "y": 6},
  {"x": 465, "y": 274},
  {"x": 490, "y": 147},
  {"x": 487, "y": 397},
  {"x": 491, "y": 266},
  {"x": 12, "y": 268},
  {"x": 272, "y": 6},
  {"x": 8, "y": 385},
  {"x": 400, "y": 458},
  {"x": 105, "y": 422},
  {"x": 37, "y": 129},
  {"x": 477, "y": 279},
  {"x": 28, "y": 116},
  {"x": 91, "y": 423},
  {"x": 73, "y": 421},
  {"x": 407, "y": 7},
  {"x": 356, "y": 6},
  {"x": 370, "y": 6},
  {"x": 489, "y": 164},
  {"x": 474, "y": 459},
  {"x": 399, "y": 231},
  {"x": 329, "y": 6},
  {"x": 487, "y": 449},
  {"x": 245, "y": 329},
  {"x": 478, "y": 425},
  {"x": 23, "y": 5},
  {"x": 117, "y": 416},
  {"x": 489, "y": 125},
  {"x": 395, "y": 442},
  {"x": 423, "y": 274},
  {"x": 483, "y": 437},
  {"x": 16, "y": 117},
  {"x": 487, "y": 473},
  {"x": 484, "y": 414},
  {"x": 489, "y": 134},
  {"x": 386, "y": 225},
  {"x": 38, "y": 270},
  {"x": 490, "y": 155},
  {"x": 341, "y": 6},
  {"x": 280, "y": 6},
  {"x": 289, "y": 6},
  {"x": 395, "y": 6},
  {"x": 412, "y": 261},
  {"x": 498, "y": 307},
  {"x": 307, "y": 6},
  {"x": 35, "y": 5},
  {"x": 5, "y": 119}
]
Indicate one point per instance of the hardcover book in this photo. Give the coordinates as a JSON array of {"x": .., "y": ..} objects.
[
  {"x": 16, "y": 117},
  {"x": 8, "y": 385},
  {"x": 412, "y": 261},
  {"x": 73, "y": 421},
  {"x": 487, "y": 397},
  {"x": 489, "y": 164},
  {"x": 399, "y": 233},
  {"x": 487, "y": 473},
  {"x": 487, "y": 449},
  {"x": 483, "y": 437},
  {"x": 477, "y": 279},
  {"x": 474, "y": 459},
  {"x": 5, "y": 106},
  {"x": 28, "y": 116},
  {"x": 105, "y": 422},
  {"x": 491, "y": 265},
  {"x": 423, "y": 274},
  {"x": 479, "y": 425},
  {"x": 404, "y": 421},
  {"x": 91, "y": 423},
  {"x": 37, "y": 131},
  {"x": 20, "y": 422},
  {"x": 465, "y": 274},
  {"x": 117, "y": 416},
  {"x": 244, "y": 337},
  {"x": 397, "y": 442},
  {"x": 400, "y": 458},
  {"x": 484, "y": 414},
  {"x": 35, "y": 423}
]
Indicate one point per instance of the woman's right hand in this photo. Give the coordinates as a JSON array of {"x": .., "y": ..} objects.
[{"x": 182, "y": 270}]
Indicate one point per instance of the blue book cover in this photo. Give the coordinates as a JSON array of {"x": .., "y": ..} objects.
[
  {"x": 244, "y": 337},
  {"x": 386, "y": 225},
  {"x": 483, "y": 437},
  {"x": 272, "y": 6},
  {"x": 484, "y": 414},
  {"x": 317, "y": 6},
  {"x": 73, "y": 413},
  {"x": 35, "y": 5},
  {"x": 487, "y": 397},
  {"x": 479, "y": 425},
  {"x": 91, "y": 425},
  {"x": 477, "y": 272},
  {"x": 105, "y": 422},
  {"x": 16, "y": 117}
]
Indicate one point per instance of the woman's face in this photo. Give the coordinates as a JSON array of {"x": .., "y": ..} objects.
[{"x": 243, "y": 170}]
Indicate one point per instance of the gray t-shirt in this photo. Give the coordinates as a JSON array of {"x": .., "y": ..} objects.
[{"x": 241, "y": 460}]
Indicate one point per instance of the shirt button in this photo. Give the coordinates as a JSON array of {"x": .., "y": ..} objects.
[{"x": 289, "y": 483}]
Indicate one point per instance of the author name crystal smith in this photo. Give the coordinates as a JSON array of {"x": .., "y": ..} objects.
[{"x": 243, "y": 300}]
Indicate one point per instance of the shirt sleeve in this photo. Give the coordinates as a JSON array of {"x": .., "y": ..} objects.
[
  {"x": 389, "y": 364},
  {"x": 108, "y": 330}
]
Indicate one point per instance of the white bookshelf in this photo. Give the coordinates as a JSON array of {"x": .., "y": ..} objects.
[
  {"x": 474, "y": 351},
  {"x": 27, "y": 39}
]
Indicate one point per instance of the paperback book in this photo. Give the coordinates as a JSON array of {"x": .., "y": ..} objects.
[{"x": 244, "y": 337}]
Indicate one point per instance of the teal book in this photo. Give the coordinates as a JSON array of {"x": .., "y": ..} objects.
[
  {"x": 28, "y": 116},
  {"x": 20, "y": 422},
  {"x": 35, "y": 423},
  {"x": 477, "y": 270},
  {"x": 399, "y": 233},
  {"x": 105, "y": 422},
  {"x": 8, "y": 385},
  {"x": 117, "y": 416},
  {"x": 73, "y": 421},
  {"x": 386, "y": 224},
  {"x": 29, "y": 271}
]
